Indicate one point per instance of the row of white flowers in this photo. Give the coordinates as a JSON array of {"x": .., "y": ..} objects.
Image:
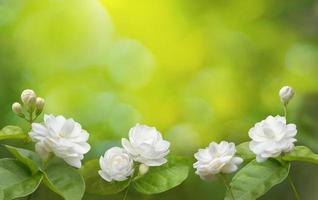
[{"x": 66, "y": 139}]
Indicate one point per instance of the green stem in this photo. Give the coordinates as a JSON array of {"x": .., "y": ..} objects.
[
  {"x": 27, "y": 141},
  {"x": 292, "y": 185},
  {"x": 126, "y": 192},
  {"x": 29, "y": 197},
  {"x": 227, "y": 185},
  {"x": 30, "y": 119},
  {"x": 285, "y": 111}
]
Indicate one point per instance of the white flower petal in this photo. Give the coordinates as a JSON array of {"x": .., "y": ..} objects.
[{"x": 73, "y": 161}]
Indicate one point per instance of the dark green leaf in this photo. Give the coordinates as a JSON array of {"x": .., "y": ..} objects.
[
  {"x": 301, "y": 153},
  {"x": 12, "y": 132},
  {"x": 243, "y": 150},
  {"x": 95, "y": 184},
  {"x": 64, "y": 180},
  {"x": 163, "y": 178},
  {"x": 16, "y": 180},
  {"x": 255, "y": 179},
  {"x": 27, "y": 157}
]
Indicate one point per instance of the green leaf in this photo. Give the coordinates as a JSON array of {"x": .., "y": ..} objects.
[
  {"x": 96, "y": 185},
  {"x": 301, "y": 153},
  {"x": 163, "y": 178},
  {"x": 16, "y": 180},
  {"x": 64, "y": 180},
  {"x": 243, "y": 150},
  {"x": 12, "y": 132},
  {"x": 255, "y": 179},
  {"x": 27, "y": 157}
]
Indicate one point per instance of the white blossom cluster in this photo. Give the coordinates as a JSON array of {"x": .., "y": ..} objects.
[
  {"x": 270, "y": 138},
  {"x": 145, "y": 145}
]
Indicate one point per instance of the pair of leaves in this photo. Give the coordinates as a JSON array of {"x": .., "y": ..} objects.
[
  {"x": 156, "y": 180},
  {"x": 16, "y": 180},
  {"x": 255, "y": 179},
  {"x": 57, "y": 175}
]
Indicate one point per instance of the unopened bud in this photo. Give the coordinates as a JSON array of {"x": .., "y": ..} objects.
[
  {"x": 286, "y": 93},
  {"x": 143, "y": 169},
  {"x": 28, "y": 97},
  {"x": 39, "y": 104},
  {"x": 17, "y": 108}
]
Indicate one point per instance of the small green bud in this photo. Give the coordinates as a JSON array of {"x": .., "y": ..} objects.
[
  {"x": 286, "y": 93},
  {"x": 17, "y": 109},
  {"x": 28, "y": 97},
  {"x": 143, "y": 169},
  {"x": 39, "y": 104}
]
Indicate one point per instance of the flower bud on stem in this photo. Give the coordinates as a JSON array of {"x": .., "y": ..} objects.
[
  {"x": 143, "y": 169},
  {"x": 17, "y": 109},
  {"x": 286, "y": 93},
  {"x": 39, "y": 105}
]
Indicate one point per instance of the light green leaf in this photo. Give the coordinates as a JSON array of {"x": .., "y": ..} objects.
[
  {"x": 243, "y": 150},
  {"x": 301, "y": 153},
  {"x": 12, "y": 132},
  {"x": 16, "y": 180},
  {"x": 27, "y": 157},
  {"x": 96, "y": 185},
  {"x": 255, "y": 179},
  {"x": 64, "y": 180},
  {"x": 163, "y": 178}
]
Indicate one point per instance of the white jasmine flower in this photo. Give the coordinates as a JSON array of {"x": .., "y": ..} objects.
[
  {"x": 271, "y": 137},
  {"x": 63, "y": 137},
  {"x": 116, "y": 165},
  {"x": 216, "y": 158},
  {"x": 286, "y": 93},
  {"x": 146, "y": 145}
]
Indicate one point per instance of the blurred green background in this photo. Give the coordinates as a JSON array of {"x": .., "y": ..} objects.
[{"x": 198, "y": 70}]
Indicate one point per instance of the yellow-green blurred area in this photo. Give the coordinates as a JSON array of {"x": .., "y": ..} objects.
[{"x": 198, "y": 70}]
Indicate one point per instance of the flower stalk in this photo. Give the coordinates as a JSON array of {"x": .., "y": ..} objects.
[
  {"x": 289, "y": 93},
  {"x": 293, "y": 187},
  {"x": 227, "y": 185}
]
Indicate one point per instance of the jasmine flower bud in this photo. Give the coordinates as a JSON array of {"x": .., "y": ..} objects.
[
  {"x": 28, "y": 97},
  {"x": 39, "y": 104},
  {"x": 143, "y": 169},
  {"x": 17, "y": 109},
  {"x": 286, "y": 93}
]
